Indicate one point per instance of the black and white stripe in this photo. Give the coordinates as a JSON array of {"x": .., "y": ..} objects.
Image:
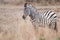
[
  {"x": 50, "y": 18},
  {"x": 45, "y": 19}
]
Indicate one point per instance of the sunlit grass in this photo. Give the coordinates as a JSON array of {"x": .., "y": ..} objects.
[
  {"x": 58, "y": 38},
  {"x": 42, "y": 38}
]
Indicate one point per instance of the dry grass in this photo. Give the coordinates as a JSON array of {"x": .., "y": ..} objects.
[{"x": 13, "y": 27}]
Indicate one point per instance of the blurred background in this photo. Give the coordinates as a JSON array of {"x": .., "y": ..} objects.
[
  {"x": 40, "y": 2},
  {"x": 13, "y": 27}
]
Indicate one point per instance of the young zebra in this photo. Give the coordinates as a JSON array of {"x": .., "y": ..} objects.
[{"x": 48, "y": 18}]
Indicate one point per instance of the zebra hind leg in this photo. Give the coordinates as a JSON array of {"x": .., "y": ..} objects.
[
  {"x": 55, "y": 28},
  {"x": 53, "y": 25}
]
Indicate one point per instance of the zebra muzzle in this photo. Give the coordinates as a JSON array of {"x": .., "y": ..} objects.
[{"x": 23, "y": 17}]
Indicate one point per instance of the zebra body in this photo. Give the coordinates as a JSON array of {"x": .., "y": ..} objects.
[{"x": 45, "y": 19}]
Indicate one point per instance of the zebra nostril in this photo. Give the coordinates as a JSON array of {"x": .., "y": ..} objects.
[{"x": 23, "y": 17}]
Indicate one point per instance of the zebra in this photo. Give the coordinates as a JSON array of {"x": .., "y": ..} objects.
[{"x": 48, "y": 18}]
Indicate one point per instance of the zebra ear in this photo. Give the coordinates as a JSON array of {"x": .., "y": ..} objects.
[{"x": 25, "y": 4}]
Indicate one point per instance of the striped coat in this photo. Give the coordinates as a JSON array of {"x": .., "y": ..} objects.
[{"x": 40, "y": 19}]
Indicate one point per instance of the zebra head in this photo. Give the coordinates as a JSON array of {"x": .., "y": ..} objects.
[{"x": 27, "y": 7}]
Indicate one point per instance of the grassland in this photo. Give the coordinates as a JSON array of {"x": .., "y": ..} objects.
[{"x": 13, "y": 27}]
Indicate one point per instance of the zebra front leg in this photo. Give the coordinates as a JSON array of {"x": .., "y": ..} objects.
[
  {"x": 35, "y": 27},
  {"x": 34, "y": 23}
]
